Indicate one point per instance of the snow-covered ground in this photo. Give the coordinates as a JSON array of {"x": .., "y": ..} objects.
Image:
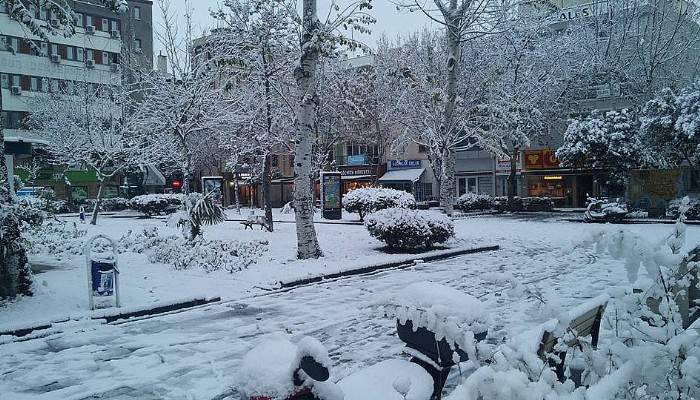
[
  {"x": 61, "y": 291},
  {"x": 196, "y": 354}
]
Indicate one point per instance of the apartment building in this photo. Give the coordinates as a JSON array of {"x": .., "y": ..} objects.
[{"x": 31, "y": 67}]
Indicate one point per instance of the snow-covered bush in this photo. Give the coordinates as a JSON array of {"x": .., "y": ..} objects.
[
  {"x": 538, "y": 204},
  {"x": 501, "y": 204},
  {"x": 145, "y": 239},
  {"x": 214, "y": 255},
  {"x": 110, "y": 204},
  {"x": 57, "y": 239},
  {"x": 474, "y": 202},
  {"x": 49, "y": 203},
  {"x": 406, "y": 229},
  {"x": 692, "y": 213},
  {"x": 365, "y": 201},
  {"x": 156, "y": 204},
  {"x": 15, "y": 272}
]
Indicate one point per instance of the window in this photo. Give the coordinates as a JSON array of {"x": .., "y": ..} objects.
[
  {"x": 79, "y": 19},
  {"x": 34, "y": 84},
  {"x": 137, "y": 13},
  {"x": 26, "y": 83},
  {"x": 274, "y": 161},
  {"x": 43, "y": 14},
  {"x": 88, "y": 20},
  {"x": 54, "y": 49},
  {"x": 105, "y": 24},
  {"x": 422, "y": 148},
  {"x": 70, "y": 53},
  {"x": 53, "y": 85},
  {"x": 98, "y": 57},
  {"x": 4, "y": 81},
  {"x": 44, "y": 49},
  {"x": 14, "y": 43},
  {"x": 15, "y": 80},
  {"x": 137, "y": 45},
  {"x": 105, "y": 58},
  {"x": 24, "y": 47},
  {"x": 115, "y": 25},
  {"x": 80, "y": 54},
  {"x": 89, "y": 54}
]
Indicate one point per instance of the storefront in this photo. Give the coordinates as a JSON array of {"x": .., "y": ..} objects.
[
  {"x": 354, "y": 177},
  {"x": 543, "y": 177},
  {"x": 410, "y": 176}
]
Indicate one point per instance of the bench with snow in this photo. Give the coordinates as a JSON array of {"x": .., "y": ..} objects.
[
  {"x": 555, "y": 338},
  {"x": 254, "y": 220},
  {"x": 441, "y": 327},
  {"x": 687, "y": 300}
]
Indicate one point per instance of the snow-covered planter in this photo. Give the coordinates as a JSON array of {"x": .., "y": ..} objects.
[
  {"x": 56, "y": 239},
  {"x": 405, "y": 229},
  {"x": 474, "y": 202},
  {"x": 365, "y": 201},
  {"x": 156, "y": 204}
]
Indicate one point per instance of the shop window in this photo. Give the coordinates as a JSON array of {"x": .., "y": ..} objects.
[{"x": 137, "y": 45}]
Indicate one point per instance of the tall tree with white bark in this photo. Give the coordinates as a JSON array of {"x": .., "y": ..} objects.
[{"x": 317, "y": 38}]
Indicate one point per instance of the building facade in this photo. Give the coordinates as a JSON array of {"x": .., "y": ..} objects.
[{"x": 32, "y": 67}]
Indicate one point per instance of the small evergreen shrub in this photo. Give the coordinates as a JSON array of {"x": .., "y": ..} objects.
[
  {"x": 474, "y": 202},
  {"x": 501, "y": 204},
  {"x": 156, "y": 204},
  {"x": 365, "y": 201},
  {"x": 405, "y": 229},
  {"x": 538, "y": 204}
]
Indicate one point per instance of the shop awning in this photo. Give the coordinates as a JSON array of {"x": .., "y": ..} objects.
[
  {"x": 403, "y": 175},
  {"x": 356, "y": 177}
]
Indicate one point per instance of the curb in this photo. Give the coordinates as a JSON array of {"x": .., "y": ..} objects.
[
  {"x": 392, "y": 265},
  {"x": 293, "y": 222},
  {"x": 635, "y": 222},
  {"x": 108, "y": 318}
]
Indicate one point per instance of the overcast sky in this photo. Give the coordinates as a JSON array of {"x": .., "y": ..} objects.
[{"x": 389, "y": 20}]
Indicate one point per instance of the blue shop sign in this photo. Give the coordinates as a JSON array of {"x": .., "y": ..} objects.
[
  {"x": 357, "y": 160},
  {"x": 405, "y": 164}
]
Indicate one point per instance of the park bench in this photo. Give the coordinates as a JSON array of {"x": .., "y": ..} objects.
[
  {"x": 585, "y": 321},
  {"x": 254, "y": 220}
]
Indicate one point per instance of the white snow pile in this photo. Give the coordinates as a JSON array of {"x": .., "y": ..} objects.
[
  {"x": 388, "y": 380},
  {"x": 402, "y": 228},
  {"x": 449, "y": 313},
  {"x": 56, "y": 240},
  {"x": 368, "y": 200},
  {"x": 268, "y": 369}
]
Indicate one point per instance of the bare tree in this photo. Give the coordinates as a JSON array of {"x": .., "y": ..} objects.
[
  {"x": 462, "y": 20},
  {"x": 85, "y": 127}
]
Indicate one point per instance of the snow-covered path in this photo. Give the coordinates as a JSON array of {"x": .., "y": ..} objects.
[{"x": 196, "y": 354}]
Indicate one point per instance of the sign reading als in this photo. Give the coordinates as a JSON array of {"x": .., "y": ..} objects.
[{"x": 583, "y": 11}]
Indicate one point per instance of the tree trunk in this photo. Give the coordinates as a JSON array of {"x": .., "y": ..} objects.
[
  {"x": 5, "y": 195},
  {"x": 266, "y": 191},
  {"x": 236, "y": 194},
  {"x": 447, "y": 181},
  {"x": 98, "y": 202},
  {"x": 305, "y": 76},
  {"x": 447, "y": 191},
  {"x": 513, "y": 179}
]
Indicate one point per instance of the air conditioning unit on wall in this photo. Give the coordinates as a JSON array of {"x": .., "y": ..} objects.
[
  {"x": 90, "y": 63},
  {"x": 115, "y": 34},
  {"x": 55, "y": 58},
  {"x": 16, "y": 90},
  {"x": 90, "y": 29}
]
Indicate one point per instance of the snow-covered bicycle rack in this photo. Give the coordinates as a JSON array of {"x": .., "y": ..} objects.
[{"x": 102, "y": 272}]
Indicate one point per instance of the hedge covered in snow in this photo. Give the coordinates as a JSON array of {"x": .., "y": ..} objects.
[
  {"x": 474, "y": 202},
  {"x": 692, "y": 212},
  {"x": 405, "y": 229},
  {"x": 365, "y": 201},
  {"x": 530, "y": 204},
  {"x": 156, "y": 204}
]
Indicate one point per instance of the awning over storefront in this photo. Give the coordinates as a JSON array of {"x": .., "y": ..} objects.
[
  {"x": 403, "y": 175},
  {"x": 356, "y": 177}
]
